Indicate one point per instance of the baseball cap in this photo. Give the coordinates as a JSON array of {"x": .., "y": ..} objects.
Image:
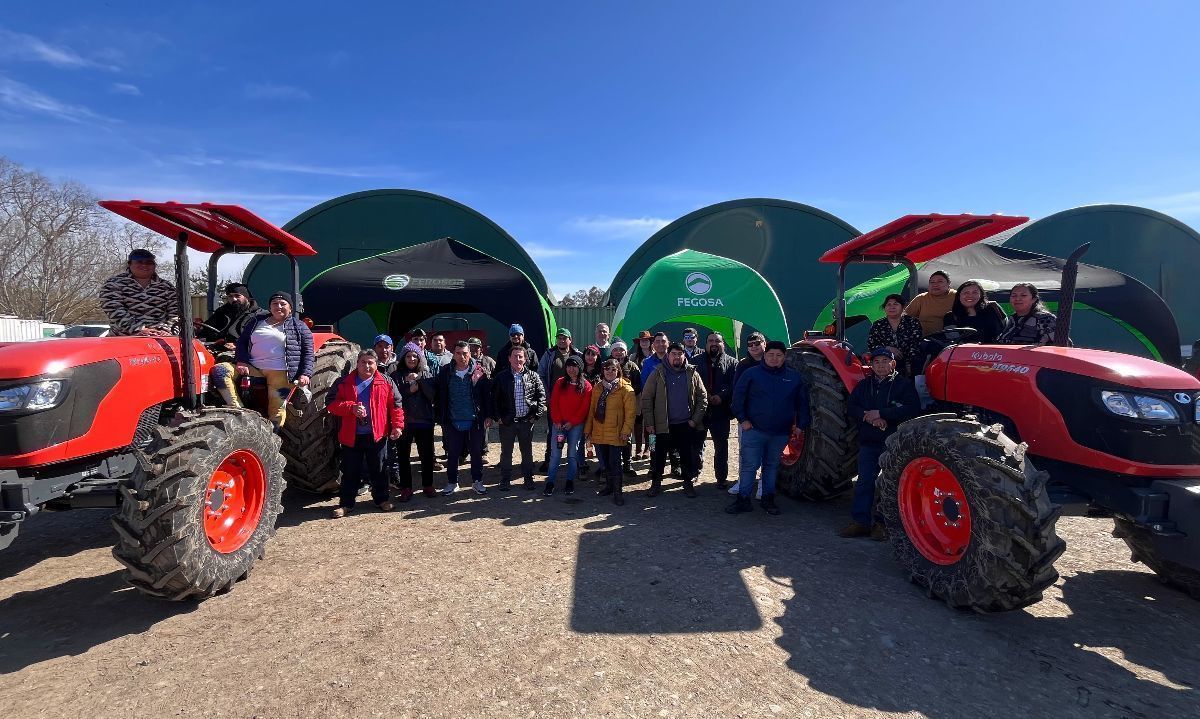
[
  {"x": 474, "y": 342},
  {"x": 515, "y": 330},
  {"x": 564, "y": 332},
  {"x": 883, "y": 352},
  {"x": 383, "y": 338}
]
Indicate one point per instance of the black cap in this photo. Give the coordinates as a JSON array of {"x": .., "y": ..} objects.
[
  {"x": 141, "y": 254},
  {"x": 575, "y": 360},
  {"x": 281, "y": 295},
  {"x": 237, "y": 287},
  {"x": 883, "y": 352},
  {"x": 775, "y": 345}
]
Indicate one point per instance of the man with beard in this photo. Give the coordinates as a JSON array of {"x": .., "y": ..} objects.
[
  {"x": 223, "y": 327},
  {"x": 716, "y": 369},
  {"x": 673, "y": 406}
]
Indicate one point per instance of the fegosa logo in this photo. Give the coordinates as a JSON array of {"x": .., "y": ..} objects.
[
  {"x": 396, "y": 282},
  {"x": 698, "y": 283}
]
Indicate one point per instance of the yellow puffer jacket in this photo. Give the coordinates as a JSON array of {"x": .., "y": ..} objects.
[{"x": 620, "y": 412}]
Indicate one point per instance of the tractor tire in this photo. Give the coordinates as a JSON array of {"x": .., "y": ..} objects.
[
  {"x": 202, "y": 504},
  {"x": 829, "y": 459},
  {"x": 1141, "y": 547},
  {"x": 996, "y": 546},
  {"x": 309, "y": 434}
]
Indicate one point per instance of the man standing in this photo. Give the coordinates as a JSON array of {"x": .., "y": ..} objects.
[
  {"x": 419, "y": 338},
  {"x": 658, "y": 346},
  {"x": 518, "y": 400},
  {"x": 224, "y": 326},
  {"x": 516, "y": 338},
  {"x": 931, "y": 306},
  {"x": 138, "y": 301},
  {"x": 386, "y": 353},
  {"x": 371, "y": 413},
  {"x": 754, "y": 354},
  {"x": 716, "y": 369},
  {"x": 879, "y": 403},
  {"x": 603, "y": 339},
  {"x": 463, "y": 407},
  {"x": 438, "y": 347},
  {"x": 673, "y": 406},
  {"x": 691, "y": 344},
  {"x": 769, "y": 400},
  {"x": 550, "y": 369},
  {"x": 489, "y": 364}
]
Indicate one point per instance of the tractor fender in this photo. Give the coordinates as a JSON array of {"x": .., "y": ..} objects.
[{"x": 838, "y": 354}]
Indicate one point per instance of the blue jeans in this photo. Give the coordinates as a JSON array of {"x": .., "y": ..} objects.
[
  {"x": 759, "y": 449},
  {"x": 863, "y": 509},
  {"x": 573, "y": 445},
  {"x": 457, "y": 441}
]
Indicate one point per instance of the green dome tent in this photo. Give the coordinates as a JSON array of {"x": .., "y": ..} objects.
[{"x": 703, "y": 289}]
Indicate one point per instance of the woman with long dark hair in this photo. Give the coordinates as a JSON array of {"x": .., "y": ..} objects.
[
  {"x": 569, "y": 404},
  {"x": 900, "y": 333},
  {"x": 972, "y": 308},
  {"x": 1031, "y": 323}
]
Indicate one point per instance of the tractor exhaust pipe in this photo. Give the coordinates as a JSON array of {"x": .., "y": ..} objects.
[{"x": 1066, "y": 296}]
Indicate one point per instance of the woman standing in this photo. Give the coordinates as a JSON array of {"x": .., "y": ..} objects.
[
  {"x": 633, "y": 375},
  {"x": 275, "y": 345},
  {"x": 610, "y": 422},
  {"x": 972, "y": 308},
  {"x": 1031, "y": 323},
  {"x": 591, "y": 372},
  {"x": 569, "y": 404},
  {"x": 900, "y": 333},
  {"x": 641, "y": 350},
  {"x": 415, "y": 381}
]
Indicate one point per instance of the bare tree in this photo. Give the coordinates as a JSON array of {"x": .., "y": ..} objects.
[
  {"x": 584, "y": 298},
  {"x": 57, "y": 246}
]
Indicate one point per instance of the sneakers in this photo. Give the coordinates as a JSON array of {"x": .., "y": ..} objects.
[
  {"x": 549, "y": 490},
  {"x": 385, "y": 506},
  {"x": 569, "y": 487},
  {"x": 449, "y": 489},
  {"x": 340, "y": 512},
  {"x": 479, "y": 488},
  {"x": 734, "y": 489},
  {"x": 768, "y": 505},
  {"x": 406, "y": 494},
  {"x": 879, "y": 532},
  {"x": 689, "y": 489},
  {"x": 429, "y": 492},
  {"x": 741, "y": 504},
  {"x": 853, "y": 530}
]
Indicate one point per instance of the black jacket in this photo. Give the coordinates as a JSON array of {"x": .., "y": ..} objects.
[
  {"x": 481, "y": 394},
  {"x": 896, "y": 399},
  {"x": 718, "y": 380},
  {"x": 226, "y": 323},
  {"x": 418, "y": 406},
  {"x": 989, "y": 321},
  {"x": 503, "y": 407},
  {"x": 531, "y": 357}
]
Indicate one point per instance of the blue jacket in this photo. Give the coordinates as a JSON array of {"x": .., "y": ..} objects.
[
  {"x": 896, "y": 399},
  {"x": 771, "y": 399},
  {"x": 297, "y": 349},
  {"x": 649, "y": 364}
]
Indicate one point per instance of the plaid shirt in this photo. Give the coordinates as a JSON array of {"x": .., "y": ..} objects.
[{"x": 520, "y": 406}]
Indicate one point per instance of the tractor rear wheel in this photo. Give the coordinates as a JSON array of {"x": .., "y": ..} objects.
[
  {"x": 967, "y": 514},
  {"x": 202, "y": 506},
  {"x": 820, "y": 464},
  {"x": 309, "y": 434},
  {"x": 1141, "y": 547}
]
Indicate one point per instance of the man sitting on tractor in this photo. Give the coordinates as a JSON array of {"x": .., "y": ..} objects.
[
  {"x": 879, "y": 403},
  {"x": 224, "y": 326},
  {"x": 138, "y": 301}
]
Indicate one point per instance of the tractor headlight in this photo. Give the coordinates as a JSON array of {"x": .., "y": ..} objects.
[
  {"x": 39, "y": 395},
  {"x": 1139, "y": 406}
]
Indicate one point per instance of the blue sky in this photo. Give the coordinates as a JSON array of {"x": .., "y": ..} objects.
[{"x": 581, "y": 128}]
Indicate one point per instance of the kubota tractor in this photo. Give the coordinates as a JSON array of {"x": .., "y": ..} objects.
[
  {"x": 968, "y": 515},
  {"x": 121, "y": 422}
]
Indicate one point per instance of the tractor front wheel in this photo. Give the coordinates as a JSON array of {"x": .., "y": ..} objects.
[
  {"x": 819, "y": 463},
  {"x": 1141, "y": 547},
  {"x": 202, "y": 505},
  {"x": 967, "y": 514}
]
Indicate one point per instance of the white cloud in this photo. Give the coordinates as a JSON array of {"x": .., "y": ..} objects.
[
  {"x": 541, "y": 252},
  {"x": 1183, "y": 204},
  {"x": 19, "y": 46},
  {"x": 124, "y": 88},
  {"x": 331, "y": 170},
  {"x": 618, "y": 228},
  {"x": 269, "y": 91},
  {"x": 25, "y": 99}
]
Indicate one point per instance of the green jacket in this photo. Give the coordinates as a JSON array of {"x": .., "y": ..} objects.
[{"x": 654, "y": 398}]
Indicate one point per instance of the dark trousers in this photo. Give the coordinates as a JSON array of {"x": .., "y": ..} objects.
[
  {"x": 680, "y": 438},
  {"x": 863, "y": 507},
  {"x": 610, "y": 460},
  {"x": 519, "y": 432},
  {"x": 365, "y": 457},
  {"x": 456, "y": 440},
  {"x": 423, "y": 438},
  {"x": 719, "y": 430}
]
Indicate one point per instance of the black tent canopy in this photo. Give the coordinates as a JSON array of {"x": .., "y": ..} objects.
[{"x": 430, "y": 278}]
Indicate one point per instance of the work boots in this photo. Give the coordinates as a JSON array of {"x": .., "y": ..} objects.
[
  {"x": 607, "y": 489},
  {"x": 768, "y": 504},
  {"x": 741, "y": 504}
]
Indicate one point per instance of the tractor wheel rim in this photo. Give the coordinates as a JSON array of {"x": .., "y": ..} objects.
[
  {"x": 934, "y": 510},
  {"x": 233, "y": 501},
  {"x": 794, "y": 449}
]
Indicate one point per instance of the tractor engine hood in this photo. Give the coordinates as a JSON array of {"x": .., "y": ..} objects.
[
  {"x": 1103, "y": 366},
  {"x": 19, "y": 360}
]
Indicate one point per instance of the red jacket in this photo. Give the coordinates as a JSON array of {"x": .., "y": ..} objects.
[
  {"x": 385, "y": 409},
  {"x": 567, "y": 404}
]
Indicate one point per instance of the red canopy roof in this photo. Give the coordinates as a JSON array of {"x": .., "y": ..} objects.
[
  {"x": 920, "y": 238},
  {"x": 211, "y": 227}
]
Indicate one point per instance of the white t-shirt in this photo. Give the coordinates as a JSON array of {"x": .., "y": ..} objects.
[{"x": 267, "y": 347}]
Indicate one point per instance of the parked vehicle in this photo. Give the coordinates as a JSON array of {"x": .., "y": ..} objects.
[
  {"x": 83, "y": 331},
  {"x": 968, "y": 515}
]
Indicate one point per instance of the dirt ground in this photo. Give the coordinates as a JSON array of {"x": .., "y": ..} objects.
[{"x": 513, "y": 605}]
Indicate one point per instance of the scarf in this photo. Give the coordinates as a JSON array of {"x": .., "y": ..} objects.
[{"x": 602, "y": 404}]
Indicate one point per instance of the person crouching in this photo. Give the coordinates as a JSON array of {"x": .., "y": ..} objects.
[
  {"x": 879, "y": 403},
  {"x": 371, "y": 411}
]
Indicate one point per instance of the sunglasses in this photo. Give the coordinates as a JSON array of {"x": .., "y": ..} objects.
[{"x": 753, "y": 343}]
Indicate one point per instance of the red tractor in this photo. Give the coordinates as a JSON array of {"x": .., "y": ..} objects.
[
  {"x": 121, "y": 422},
  {"x": 968, "y": 515}
]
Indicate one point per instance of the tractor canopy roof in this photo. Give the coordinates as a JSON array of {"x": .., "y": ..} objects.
[
  {"x": 920, "y": 238},
  {"x": 212, "y": 228}
]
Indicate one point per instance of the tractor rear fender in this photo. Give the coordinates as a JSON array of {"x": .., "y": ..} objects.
[
  {"x": 838, "y": 354},
  {"x": 320, "y": 339}
]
